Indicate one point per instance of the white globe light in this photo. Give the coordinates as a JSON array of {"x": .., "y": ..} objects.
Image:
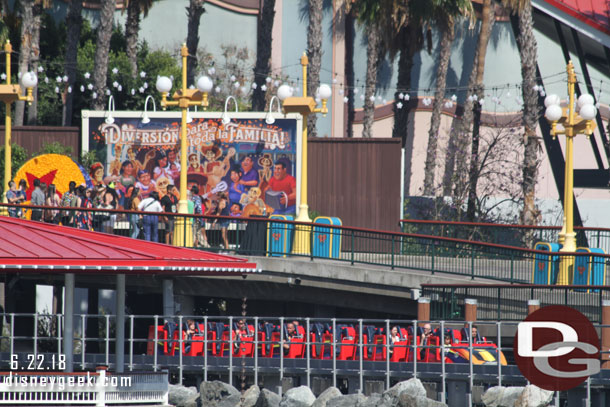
[
  {"x": 325, "y": 91},
  {"x": 553, "y": 113},
  {"x": 164, "y": 84},
  {"x": 552, "y": 100},
  {"x": 29, "y": 79},
  {"x": 588, "y": 112},
  {"x": 284, "y": 92},
  {"x": 205, "y": 84},
  {"x": 585, "y": 100}
]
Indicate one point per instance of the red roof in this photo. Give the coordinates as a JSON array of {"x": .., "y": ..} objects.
[
  {"x": 43, "y": 247},
  {"x": 595, "y": 13}
]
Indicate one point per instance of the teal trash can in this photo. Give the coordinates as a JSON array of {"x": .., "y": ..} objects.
[
  {"x": 545, "y": 266},
  {"x": 589, "y": 270},
  {"x": 279, "y": 236},
  {"x": 327, "y": 240}
]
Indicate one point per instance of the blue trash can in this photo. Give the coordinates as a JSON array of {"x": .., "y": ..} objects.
[
  {"x": 327, "y": 240},
  {"x": 589, "y": 270},
  {"x": 279, "y": 236},
  {"x": 545, "y": 266}
]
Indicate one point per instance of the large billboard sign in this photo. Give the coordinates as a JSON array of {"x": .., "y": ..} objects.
[{"x": 252, "y": 162}]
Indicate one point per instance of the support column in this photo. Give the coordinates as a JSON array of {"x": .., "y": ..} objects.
[
  {"x": 68, "y": 340},
  {"x": 532, "y": 306},
  {"x": 423, "y": 310},
  {"x": 120, "y": 324},
  {"x": 470, "y": 312},
  {"x": 168, "y": 299},
  {"x": 605, "y": 334}
]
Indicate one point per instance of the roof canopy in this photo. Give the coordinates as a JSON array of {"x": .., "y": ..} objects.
[{"x": 42, "y": 247}]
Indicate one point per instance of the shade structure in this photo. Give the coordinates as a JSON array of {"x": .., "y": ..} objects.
[
  {"x": 594, "y": 13},
  {"x": 27, "y": 246}
]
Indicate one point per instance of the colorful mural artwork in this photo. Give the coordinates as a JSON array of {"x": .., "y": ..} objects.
[{"x": 250, "y": 162}]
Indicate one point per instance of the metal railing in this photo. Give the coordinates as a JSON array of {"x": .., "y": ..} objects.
[
  {"x": 507, "y": 234},
  {"x": 508, "y": 302},
  {"x": 344, "y": 351},
  {"x": 275, "y": 238}
]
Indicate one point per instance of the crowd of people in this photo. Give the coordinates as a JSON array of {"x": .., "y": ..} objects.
[{"x": 218, "y": 184}]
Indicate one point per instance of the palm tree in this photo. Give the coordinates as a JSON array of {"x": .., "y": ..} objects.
[
  {"x": 528, "y": 52},
  {"x": 262, "y": 68},
  {"x": 314, "y": 53},
  {"x": 487, "y": 19},
  {"x": 368, "y": 14},
  {"x": 29, "y": 51},
  {"x": 132, "y": 29},
  {"x": 193, "y": 12},
  {"x": 102, "y": 47},
  {"x": 74, "y": 22},
  {"x": 445, "y": 14}
]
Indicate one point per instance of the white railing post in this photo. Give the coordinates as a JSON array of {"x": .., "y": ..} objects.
[{"x": 100, "y": 387}]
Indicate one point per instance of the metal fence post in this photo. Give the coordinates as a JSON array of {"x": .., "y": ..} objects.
[
  {"x": 131, "y": 343},
  {"x": 205, "y": 348},
  {"x": 180, "y": 348},
  {"x": 360, "y": 343},
  {"x": 156, "y": 343},
  {"x": 256, "y": 351},
  {"x": 392, "y": 258},
  {"x": 83, "y": 327},
  {"x": 35, "y": 334},
  {"x": 230, "y": 350},
  {"x": 334, "y": 348},
  {"x": 443, "y": 373},
  {"x": 352, "y": 253},
  {"x": 472, "y": 263},
  {"x": 388, "y": 335},
  {"x": 308, "y": 349}
]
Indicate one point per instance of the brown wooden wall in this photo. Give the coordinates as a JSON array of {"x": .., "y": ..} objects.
[
  {"x": 356, "y": 180},
  {"x": 33, "y": 138}
]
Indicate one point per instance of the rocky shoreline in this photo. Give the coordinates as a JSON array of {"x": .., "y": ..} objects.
[{"x": 408, "y": 393}]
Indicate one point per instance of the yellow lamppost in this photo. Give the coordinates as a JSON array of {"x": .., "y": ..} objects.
[
  {"x": 184, "y": 98},
  {"x": 305, "y": 105},
  {"x": 572, "y": 126},
  {"x": 10, "y": 93}
]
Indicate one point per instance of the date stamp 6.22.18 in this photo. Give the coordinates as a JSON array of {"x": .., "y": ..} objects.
[{"x": 38, "y": 362}]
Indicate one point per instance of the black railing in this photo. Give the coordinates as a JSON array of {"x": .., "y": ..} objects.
[
  {"x": 510, "y": 302},
  {"x": 260, "y": 236},
  {"x": 512, "y": 235}
]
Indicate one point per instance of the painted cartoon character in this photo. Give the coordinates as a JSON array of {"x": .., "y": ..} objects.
[
  {"x": 253, "y": 204},
  {"x": 266, "y": 171},
  {"x": 96, "y": 172},
  {"x": 214, "y": 169}
]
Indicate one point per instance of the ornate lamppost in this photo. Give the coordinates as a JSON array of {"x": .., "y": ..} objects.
[
  {"x": 305, "y": 105},
  {"x": 10, "y": 93},
  {"x": 575, "y": 119},
  {"x": 184, "y": 98}
]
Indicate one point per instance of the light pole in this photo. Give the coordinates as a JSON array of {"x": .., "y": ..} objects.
[
  {"x": 10, "y": 93},
  {"x": 305, "y": 105},
  {"x": 184, "y": 98},
  {"x": 572, "y": 125}
]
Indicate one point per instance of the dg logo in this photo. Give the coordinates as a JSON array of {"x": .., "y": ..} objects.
[{"x": 557, "y": 348}]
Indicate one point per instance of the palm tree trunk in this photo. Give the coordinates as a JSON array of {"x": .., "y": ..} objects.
[
  {"x": 74, "y": 22},
  {"x": 372, "y": 63},
  {"x": 528, "y": 51},
  {"x": 25, "y": 50},
  {"x": 132, "y": 29},
  {"x": 349, "y": 71},
  {"x": 411, "y": 39},
  {"x": 102, "y": 47},
  {"x": 34, "y": 59},
  {"x": 447, "y": 37},
  {"x": 193, "y": 12},
  {"x": 263, "y": 53},
  {"x": 488, "y": 15},
  {"x": 314, "y": 53}
]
